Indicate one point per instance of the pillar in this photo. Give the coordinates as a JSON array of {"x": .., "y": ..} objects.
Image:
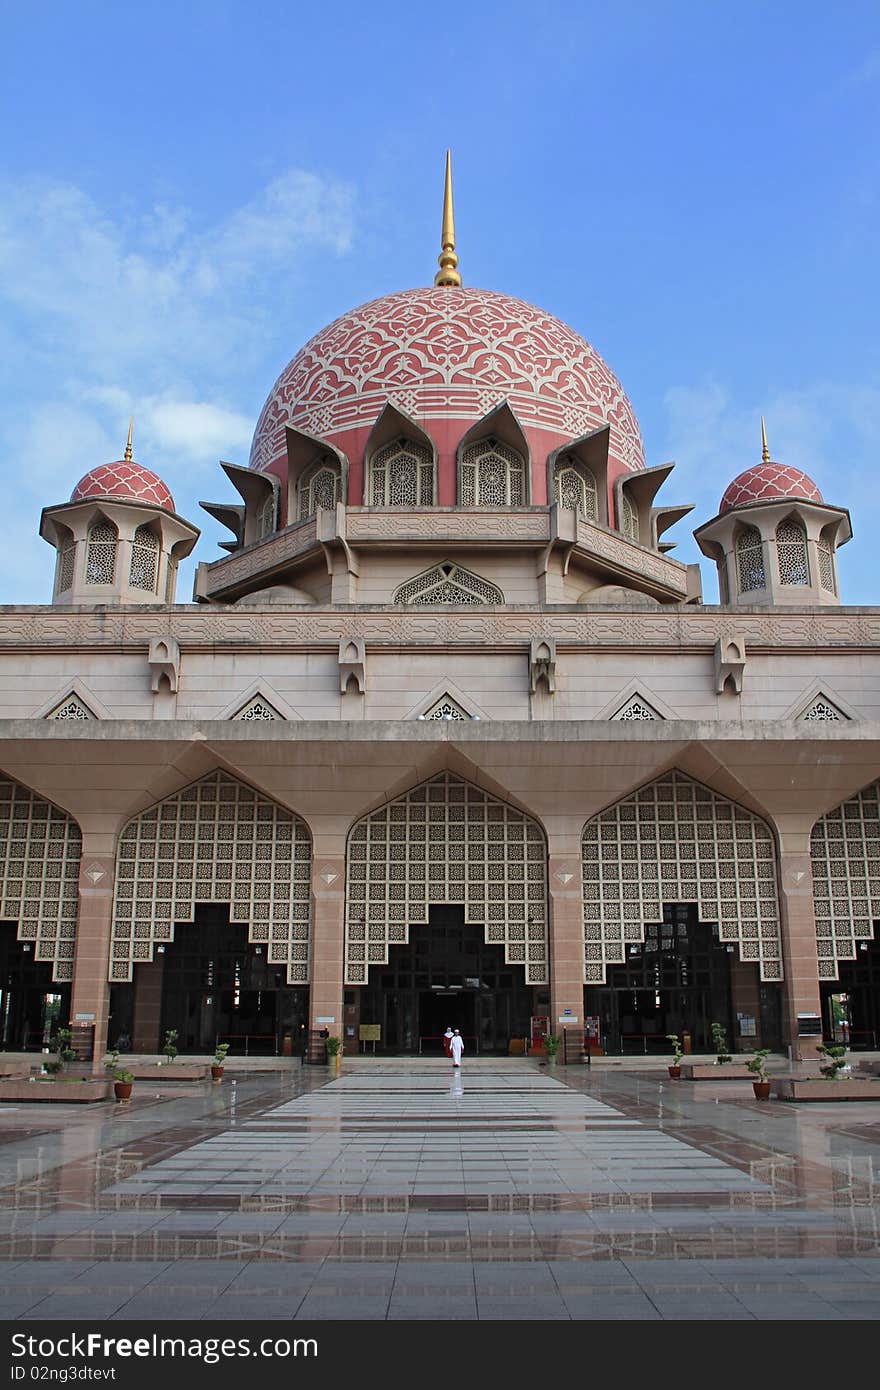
[
  {"x": 90, "y": 996},
  {"x": 799, "y": 951},
  {"x": 566, "y": 940},
  {"x": 328, "y": 941}
]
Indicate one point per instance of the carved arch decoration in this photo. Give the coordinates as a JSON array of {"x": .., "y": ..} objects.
[
  {"x": 40, "y": 854},
  {"x": 217, "y": 840},
  {"x": 446, "y": 841},
  {"x": 447, "y": 583},
  {"x": 675, "y": 840},
  {"x": 845, "y": 855}
]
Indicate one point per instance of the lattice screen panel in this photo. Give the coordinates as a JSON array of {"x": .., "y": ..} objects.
[
  {"x": 822, "y": 711},
  {"x": 446, "y": 842},
  {"x": 217, "y": 841},
  {"x": 40, "y": 851},
  {"x": 845, "y": 851},
  {"x": 447, "y": 583},
  {"x": 676, "y": 841}
]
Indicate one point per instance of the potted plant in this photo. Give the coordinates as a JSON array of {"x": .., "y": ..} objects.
[
  {"x": 757, "y": 1066},
  {"x": 677, "y": 1054},
  {"x": 551, "y": 1047},
  {"x": 719, "y": 1042},
  {"x": 333, "y": 1046},
  {"x": 218, "y": 1060},
  {"x": 834, "y": 1061},
  {"x": 170, "y": 1045},
  {"x": 64, "y": 1053},
  {"x": 123, "y": 1080}
]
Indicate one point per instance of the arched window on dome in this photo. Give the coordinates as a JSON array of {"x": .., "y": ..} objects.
[
  {"x": 750, "y": 560},
  {"x": 266, "y": 518},
  {"x": 791, "y": 551},
  {"x": 64, "y": 574},
  {"x": 318, "y": 487},
  {"x": 491, "y": 475},
  {"x": 101, "y": 546},
  {"x": 576, "y": 489},
  {"x": 629, "y": 519},
  {"x": 825, "y": 552},
  {"x": 401, "y": 475},
  {"x": 144, "y": 569}
]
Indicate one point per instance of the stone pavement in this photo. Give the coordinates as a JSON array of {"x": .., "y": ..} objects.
[{"x": 398, "y": 1190}]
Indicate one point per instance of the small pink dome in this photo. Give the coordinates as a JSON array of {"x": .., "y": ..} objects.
[
  {"x": 768, "y": 482},
  {"x": 127, "y": 482}
]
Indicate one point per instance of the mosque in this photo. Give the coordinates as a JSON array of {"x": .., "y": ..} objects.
[{"x": 447, "y": 735}]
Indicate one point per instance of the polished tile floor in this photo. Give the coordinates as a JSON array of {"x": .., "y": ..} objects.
[{"x": 399, "y": 1190}]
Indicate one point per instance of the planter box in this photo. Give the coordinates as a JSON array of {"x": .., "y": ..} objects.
[
  {"x": 794, "y": 1088},
  {"x": 708, "y": 1071},
  {"x": 64, "y": 1092},
  {"x": 168, "y": 1071}
]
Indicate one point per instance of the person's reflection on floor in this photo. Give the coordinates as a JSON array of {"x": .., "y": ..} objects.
[{"x": 456, "y": 1089}]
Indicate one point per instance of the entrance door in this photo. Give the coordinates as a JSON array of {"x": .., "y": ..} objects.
[
  {"x": 676, "y": 981},
  {"x": 219, "y": 987},
  {"x": 31, "y": 1006},
  {"x": 447, "y": 976},
  {"x": 860, "y": 988}
]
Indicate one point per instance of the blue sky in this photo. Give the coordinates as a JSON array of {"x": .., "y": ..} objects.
[{"x": 189, "y": 191}]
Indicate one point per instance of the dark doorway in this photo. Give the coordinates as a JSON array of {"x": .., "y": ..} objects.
[
  {"x": 32, "y": 1007},
  {"x": 858, "y": 1022},
  {"x": 447, "y": 976},
  {"x": 675, "y": 981},
  {"x": 218, "y": 987}
]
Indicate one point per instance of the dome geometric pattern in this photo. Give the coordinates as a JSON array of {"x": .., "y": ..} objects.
[
  {"x": 447, "y": 354},
  {"x": 128, "y": 482},
  {"x": 766, "y": 482}
]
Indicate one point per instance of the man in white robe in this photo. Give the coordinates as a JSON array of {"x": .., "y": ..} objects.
[{"x": 456, "y": 1048}]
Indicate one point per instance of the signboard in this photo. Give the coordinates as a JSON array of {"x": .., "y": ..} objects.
[
  {"x": 747, "y": 1026},
  {"x": 82, "y": 1041},
  {"x": 326, "y": 1018},
  {"x": 591, "y": 1027},
  {"x": 567, "y": 1018},
  {"x": 809, "y": 1026},
  {"x": 370, "y": 1032}
]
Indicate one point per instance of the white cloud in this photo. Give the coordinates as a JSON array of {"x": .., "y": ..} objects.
[{"x": 106, "y": 315}]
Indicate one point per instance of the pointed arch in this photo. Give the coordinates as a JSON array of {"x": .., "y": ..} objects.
[
  {"x": 40, "y": 855},
  {"x": 575, "y": 488},
  {"x": 102, "y": 542},
  {"x": 750, "y": 560},
  {"x": 791, "y": 551},
  {"x": 447, "y": 583},
  {"x": 143, "y": 571},
  {"x": 845, "y": 858},
  {"x": 674, "y": 840},
  {"x": 216, "y": 841},
  {"x": 494, "y": 462},
  {"x": 446, "y": 841}
]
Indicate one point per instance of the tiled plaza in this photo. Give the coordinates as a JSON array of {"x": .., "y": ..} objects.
[{"x": 401, "y": 1190}]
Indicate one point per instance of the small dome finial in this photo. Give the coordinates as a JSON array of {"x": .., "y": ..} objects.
[
  {"x": 128, "y": 445},
  {"x": 448, "y": 276},
  {"x": 765, "y": 452}
]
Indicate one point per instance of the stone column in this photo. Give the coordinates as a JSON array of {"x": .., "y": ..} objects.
[
  {"x": 90, "y": 996},
  {"x": 328, "y": 918},
  {"x": 799, "y": 952},
  {"x": 566, "y": 939}
]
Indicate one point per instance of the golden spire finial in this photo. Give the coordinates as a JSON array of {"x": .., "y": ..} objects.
[
  {"x": 765, "y": 452},
  {"x": 448, "y": 276},
  {"x": 128, "y": 445}
]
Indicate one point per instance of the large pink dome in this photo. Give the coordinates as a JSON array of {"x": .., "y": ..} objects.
[
  {"x": 126, "y": 482},
  {"x": 769, "y": 482},
  {"x": 443, "y": 356}
]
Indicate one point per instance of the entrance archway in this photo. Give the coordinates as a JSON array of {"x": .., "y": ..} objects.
[
  {"x": 218, "y": 987},
  {"x": 32, "y": 1007},
  {"x": 855, "y": 1021},
  {"x": 447, "y": 975}
]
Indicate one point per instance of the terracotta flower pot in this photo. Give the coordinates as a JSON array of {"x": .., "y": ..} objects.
[
  {"x": 122, "y": 1089},
  {"x": 675, "y": 1073},
  {"x": 761, "y": 1090},
  {"x": 216, "y": 1073}
]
